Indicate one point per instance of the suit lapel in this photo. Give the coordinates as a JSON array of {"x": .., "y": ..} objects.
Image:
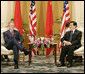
[
  {"x": 74, "y": 34},
  {"x": 9, "y": 33}
]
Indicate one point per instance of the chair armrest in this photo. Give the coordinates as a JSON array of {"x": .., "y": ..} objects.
[
  {"x": 79, "y": 50},
  {"x": 4, "y": 50}
]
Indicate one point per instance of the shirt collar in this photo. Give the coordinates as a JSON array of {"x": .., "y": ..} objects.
[
  {"x": 73, "y": 30},
  {"x": 11, "y": 31}
]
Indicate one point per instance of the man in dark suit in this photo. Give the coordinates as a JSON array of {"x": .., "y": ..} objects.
[
  {"x": 13, "y": 40},
  {"x": 71, "y": 41}
]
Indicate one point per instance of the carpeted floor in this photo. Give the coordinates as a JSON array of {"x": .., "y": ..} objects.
[{"x": 40, "y": 64}]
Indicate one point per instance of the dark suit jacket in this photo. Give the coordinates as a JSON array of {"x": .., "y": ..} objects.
[
  {"x": 8, "y": 37},
  {"x": 76, "y": 38}
]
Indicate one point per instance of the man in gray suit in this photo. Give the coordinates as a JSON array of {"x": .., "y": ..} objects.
[{"x": 13, "y": 40}]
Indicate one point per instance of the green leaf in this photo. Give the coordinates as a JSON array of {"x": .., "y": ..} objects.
[
  {"x": 42, "y": 46},
  {"x": 12, "y": 19}
]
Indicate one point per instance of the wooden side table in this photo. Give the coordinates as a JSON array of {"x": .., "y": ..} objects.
[
  {"x": 52, "y": 45},
  {"x": 55, "y": 50}
]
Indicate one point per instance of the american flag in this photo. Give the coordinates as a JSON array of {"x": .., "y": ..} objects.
[
  {"x": 33, "y": 22},
  {"x": 65, "y": 19}
]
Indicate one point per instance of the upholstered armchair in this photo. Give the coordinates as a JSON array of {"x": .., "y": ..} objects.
[
  {"x": 80, "y": 51},
  {"x": 4, "y": 50}
]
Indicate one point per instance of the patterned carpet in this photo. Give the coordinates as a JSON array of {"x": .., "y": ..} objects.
[{"x": 40, "y": 64}]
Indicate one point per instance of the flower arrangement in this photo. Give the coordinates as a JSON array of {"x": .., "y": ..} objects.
[{"x": 42, "y": 42}]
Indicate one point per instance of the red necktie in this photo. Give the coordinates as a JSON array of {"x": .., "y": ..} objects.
[{"x": 12, "y": 33}]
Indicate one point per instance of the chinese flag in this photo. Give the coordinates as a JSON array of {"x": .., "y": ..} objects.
[
  {"x": 49, "y": 24},
  {"x": 17, "y": 17}
]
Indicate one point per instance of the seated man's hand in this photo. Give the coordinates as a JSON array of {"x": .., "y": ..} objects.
[
  {"x": 20, "y": 42},
  {"x": 67, "y": 43}
]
